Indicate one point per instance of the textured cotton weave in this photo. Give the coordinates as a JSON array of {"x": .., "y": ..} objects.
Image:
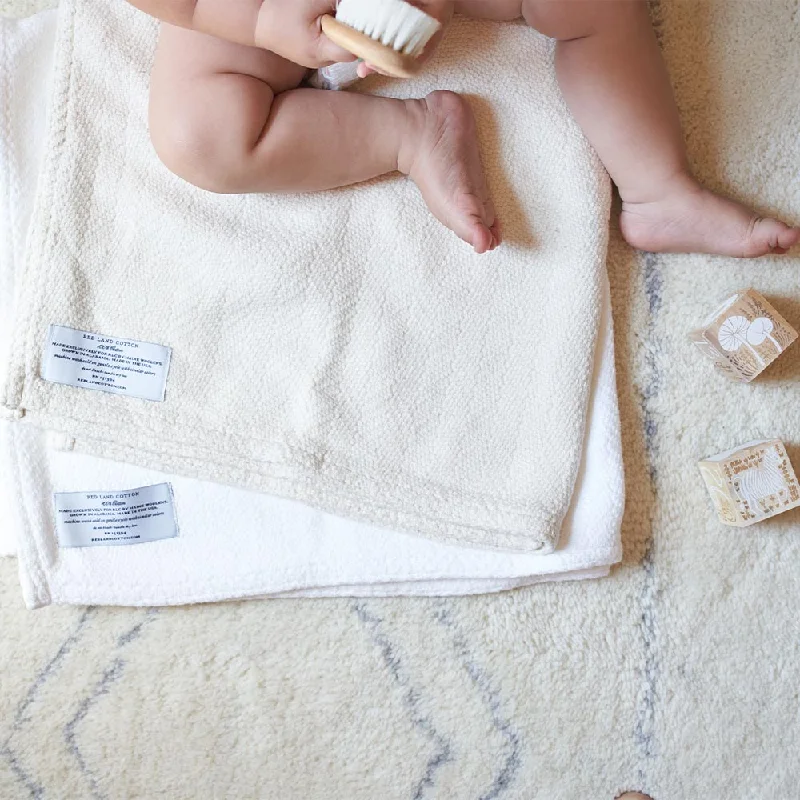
[
  {"x": 235, "y": 543},
  {"x": 342, "y": 348},
  {"x": 26, "y": 63}
]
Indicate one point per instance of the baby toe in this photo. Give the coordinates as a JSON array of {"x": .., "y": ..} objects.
[
  {"x": 482, "y": 239},
  {"x": 788, "y": 237},
  {"x": 770, "y": 236}
]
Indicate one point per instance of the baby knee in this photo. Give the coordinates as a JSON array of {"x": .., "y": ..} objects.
[
  {"x": 561, "y": 19},
  {"x": 193, "y": 149},
  {"x": 578, "y": 19}
]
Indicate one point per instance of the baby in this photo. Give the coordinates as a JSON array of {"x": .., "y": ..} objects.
[{"x": 228, "y": 114}]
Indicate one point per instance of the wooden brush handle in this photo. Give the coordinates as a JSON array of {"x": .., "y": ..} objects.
[{"x": 383, "y": 58}]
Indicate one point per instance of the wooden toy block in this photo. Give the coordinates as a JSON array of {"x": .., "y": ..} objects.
[
  {"x": 751, "y": 483},
  {"x": 744, "y": 336}
]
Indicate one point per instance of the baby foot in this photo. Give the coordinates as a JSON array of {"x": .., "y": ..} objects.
[
  {"x": 691, "y": 219},
  {"x": 441, "y": 156}
]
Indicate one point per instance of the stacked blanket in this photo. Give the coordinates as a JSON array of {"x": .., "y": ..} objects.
[{"x": 316, "y": 394}]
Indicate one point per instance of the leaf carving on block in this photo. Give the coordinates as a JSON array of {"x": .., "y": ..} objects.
[
  {"x": 760, "y": 330},
  {"x": 733, "y": 335},
  {"x": 720, "y": 496},
  {"x": 761, "y": 481}
]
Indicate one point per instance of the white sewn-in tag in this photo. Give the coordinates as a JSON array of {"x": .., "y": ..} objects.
[
  {"x": 133, "y": 516},
  {"x": 106, "y": 363}
]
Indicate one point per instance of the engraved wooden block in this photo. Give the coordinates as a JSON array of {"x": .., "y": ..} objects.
[
  {"x": 744, "y": 336},
  {"x": 751, "y": 483}
]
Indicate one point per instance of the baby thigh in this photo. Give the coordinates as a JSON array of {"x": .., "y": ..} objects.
[
  {"x": 500, "y": 10},
  {"x": 209, "y": 104},
  {"x": 566, "y": 20},
  {"x": 558, "y": 19}
]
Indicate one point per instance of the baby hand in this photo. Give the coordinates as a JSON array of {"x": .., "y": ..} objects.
[{"x": 292, "y": 29}]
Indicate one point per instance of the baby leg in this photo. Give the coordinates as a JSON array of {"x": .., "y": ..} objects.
[
  {"x": 615, "y": 82},
  {"x": 231, "y": 118}
]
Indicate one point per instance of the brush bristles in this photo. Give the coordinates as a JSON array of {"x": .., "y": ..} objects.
[{"x": 394, "y": 23}]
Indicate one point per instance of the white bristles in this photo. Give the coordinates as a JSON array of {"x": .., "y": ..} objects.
[{"x": 395, "y": 23}]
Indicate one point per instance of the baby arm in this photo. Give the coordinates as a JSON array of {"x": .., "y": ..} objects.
[{"x": 288, "y": 28}]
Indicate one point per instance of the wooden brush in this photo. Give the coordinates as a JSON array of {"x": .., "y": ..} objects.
[{"x": 390, "y": 35}]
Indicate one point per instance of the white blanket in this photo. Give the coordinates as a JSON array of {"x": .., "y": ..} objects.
[
  {"x": 236, "y": 543},
  {"x": 26, "y": 63},
  {"x": 341, "y": 348}
]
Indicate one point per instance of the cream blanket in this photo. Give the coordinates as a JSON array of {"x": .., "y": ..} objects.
[
  {"x": 341, "y": 349},
  {"x": 235, "y": 543}
]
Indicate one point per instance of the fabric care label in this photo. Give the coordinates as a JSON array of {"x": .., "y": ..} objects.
[
  {"x": 133, "y": 516},
  {"x": 105, "y": 363}
]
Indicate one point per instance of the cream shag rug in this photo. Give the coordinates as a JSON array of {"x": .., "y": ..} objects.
[{"x": 677, "y": 675}]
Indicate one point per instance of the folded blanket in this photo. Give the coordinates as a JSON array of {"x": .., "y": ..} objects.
[
  {"x": 235, "y": 543},
  {"x": 341, "y": 349},
  {"x": 26, "y": 64},
  {"x": 281, "y": 547}
]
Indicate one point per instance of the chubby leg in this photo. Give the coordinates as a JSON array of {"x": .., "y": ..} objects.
[
  {"x": 231, "y": 118},
  {"x": 615, "y": 82},
  {"x": 498, "y": 10}
]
